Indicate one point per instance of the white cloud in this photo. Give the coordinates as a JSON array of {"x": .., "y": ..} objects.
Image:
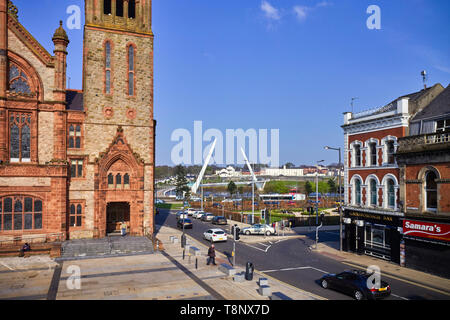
[
  {"x": 301, "y": 12},
  {"x": 271, "y": 12}
]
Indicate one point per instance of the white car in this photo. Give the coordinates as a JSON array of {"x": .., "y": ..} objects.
[
  {"x": 259, "y": 229},
  {"x": 198, "y": 214},
  {"x": 191, "y": 211},
  {"x": 215, "y": 235},
  {"x": 207, "y": 217},
  {"x": 182, "y": 215}
]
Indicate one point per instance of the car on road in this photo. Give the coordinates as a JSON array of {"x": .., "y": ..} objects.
[
  {"x": 215, "y": 235},
  {"x": 159, "y": 201},
  {"x": 198, "y": 214},
  {"x": 186, "y": 222},
  {"x": 357, "y": 284},
  {"x": 181, "y": 215},
  {"x": 219, "y": 220},
  {"x": 258, "y": 229},
  {"x": 207, "y": 217},
  {"x": 191, "y": 211}
]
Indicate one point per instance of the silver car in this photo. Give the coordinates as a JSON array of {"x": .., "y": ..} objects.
[{"x": 259, "y": 229}]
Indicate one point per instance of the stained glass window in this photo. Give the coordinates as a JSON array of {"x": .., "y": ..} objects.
[
  {"x": 108, "y": 67},
  {"x": 20, "y": 137},
  {"x": 18, "y": 81},
  {"x": 131, "y": 79}
]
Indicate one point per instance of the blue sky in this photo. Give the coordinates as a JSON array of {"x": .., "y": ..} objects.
[{"x": 292, "y": 65}]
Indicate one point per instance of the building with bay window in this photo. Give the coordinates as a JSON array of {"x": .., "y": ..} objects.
[
  {"x": 373, "y": 210},
  {"x": 423, "y": 156},
  {"x": 77, "y": 163}
]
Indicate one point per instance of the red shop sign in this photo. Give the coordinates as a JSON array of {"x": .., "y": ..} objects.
[{"x": 438, "y": 231}]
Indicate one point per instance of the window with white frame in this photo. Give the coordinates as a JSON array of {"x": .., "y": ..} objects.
[
  {"x": 373, "y": 193},
  {"x": 431, "y": 191}
]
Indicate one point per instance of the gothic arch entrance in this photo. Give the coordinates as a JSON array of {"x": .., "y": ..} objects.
[{"x": 119, "y": 189}]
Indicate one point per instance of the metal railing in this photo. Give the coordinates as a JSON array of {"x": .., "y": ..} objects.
[{"x": 412, "y": 142}]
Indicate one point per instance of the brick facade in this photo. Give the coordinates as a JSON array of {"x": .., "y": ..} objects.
[{"x": 125, "y": 137}]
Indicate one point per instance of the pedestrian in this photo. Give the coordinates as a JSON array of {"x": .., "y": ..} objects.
[
  {"x": 25, "y": 248},
  {"x": 211, "y": 255},
  {"x": 124, "y": 228}
]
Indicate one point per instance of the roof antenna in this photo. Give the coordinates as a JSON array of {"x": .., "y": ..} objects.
[
  {"x": 424, "y": 78},
  {"x": 353, "y": 99}
]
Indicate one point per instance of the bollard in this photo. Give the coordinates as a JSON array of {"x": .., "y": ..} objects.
[
  {"x": 157, "y": 245},
  {"x": 196, "y": 263},
  {"x": 183, "y": 254}
]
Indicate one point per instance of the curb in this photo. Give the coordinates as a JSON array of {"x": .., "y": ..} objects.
[{"x": 346, "y": 259}]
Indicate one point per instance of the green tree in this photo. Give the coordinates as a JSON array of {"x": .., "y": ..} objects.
[
  {"x": 308, "y": 188},
  {"x": 181, "y": 183},
  {"x": 232, "y": 188},
  {"x": 332, "y": 186}
]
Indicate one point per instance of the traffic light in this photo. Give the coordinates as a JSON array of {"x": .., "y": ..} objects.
[{"x": 236, "y": 233}]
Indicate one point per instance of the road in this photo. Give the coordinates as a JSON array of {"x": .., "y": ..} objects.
[{"x": 293, "y": 262}]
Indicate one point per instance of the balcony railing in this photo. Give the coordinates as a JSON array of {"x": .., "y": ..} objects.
[{"x": 423, "y": 141}]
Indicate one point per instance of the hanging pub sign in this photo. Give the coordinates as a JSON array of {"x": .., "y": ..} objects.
[{"x": 431, "y": 230}]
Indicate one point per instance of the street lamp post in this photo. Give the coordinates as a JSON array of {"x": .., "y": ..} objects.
[
  {"x": 317, "y": 192},
  {"x": 340, "y": 195}
]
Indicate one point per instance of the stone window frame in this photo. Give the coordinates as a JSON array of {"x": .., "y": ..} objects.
[
  {"x": 21, "y": 198},
  {"x": 384, "y": 183},
  {"x": 76, "y": 204},
  {"x": 378, "y": 186},
  {"x": 385, "y": 144},
  {"x": 81, "y": 136},
  {"x": 423, "y": 199},
  {"x": 353, "y": 153},
  {"x": 110, "y": 6},
  {"x": 33, "y": 140},
  {"x": 131, "y": 44},
  {"x": 353, "y": 190},
  {"x": 368, "y": 156},
  {"x": 110, "y": 69},
  {"x": 123, "y": 185},
  {"x": 78, "y": 159},
  {"x": 22, "y": 75}
]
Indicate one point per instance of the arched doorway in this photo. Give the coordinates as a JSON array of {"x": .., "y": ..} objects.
[{"x": 116, "y": 214}]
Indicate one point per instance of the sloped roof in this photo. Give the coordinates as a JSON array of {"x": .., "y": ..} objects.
[
  {"x": 440, "y": 106},
  {"x": 74, "y": 99}
]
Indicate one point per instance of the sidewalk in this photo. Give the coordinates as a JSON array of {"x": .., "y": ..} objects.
[
  {"x": 225, "y": 286},
  {"x": 394, "y": 270}
]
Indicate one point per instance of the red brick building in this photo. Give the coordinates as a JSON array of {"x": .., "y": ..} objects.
[
  {"x": 372, "y": 190},
  {"x": 424, "y": 159},
  {"x": 77, "y": 163}
]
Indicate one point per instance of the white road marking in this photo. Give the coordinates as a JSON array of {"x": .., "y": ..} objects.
[
  {"x": 295, "y": 268},
  {"x": 7, "y": 266},
  {"x": 398, "y": 296}
]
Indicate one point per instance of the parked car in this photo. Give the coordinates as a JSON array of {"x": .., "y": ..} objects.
[
  {"x": 219, "y": 220},
  {"x": 215, "y": 235},
  {"x": 198, "y": 214},
  {"x": 259, "y": 229},
  {"x": 207, "y": 217},
  {"x": 354, "y": 283},
  {"x": 159, "y": 201},
  {"x": 191, "y": 211},
  {"x": 181, "y": 215},
  {"x": 187, "y": 223}
]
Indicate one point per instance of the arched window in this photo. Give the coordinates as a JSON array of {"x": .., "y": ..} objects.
[
  {"x": 108, "y": 67},
  {"x": 118, "y": 180},
  {"x": 119, "y": 8},
  {"x": 75, "y": 217},
  {"x": 18, "y": 81},
  {"x": 131, "y": 9},
  {"x": 431, "y": 191},
  {"x": 357, "y": 150},
  {"x": 71, "y": 136},
  {"x": 78, "y": 136},
  {"x": 107, "y": 6},
  {"x": 373, "y": 193},
  {"x": 110, "y": 180},
  {"x": 391, "y": 193},
  {"x": 131, "y": 67},
  {"x": 20, "y": 137},
  {"x": 20, "y": 213},
  {"x": 373, "y": 153},
  {"x": 126, "y": 181},
  {"x": 390, "y": 152},
  {"x": 357, "y": 192}
]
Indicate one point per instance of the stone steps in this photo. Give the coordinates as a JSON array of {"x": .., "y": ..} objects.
[{"x": 106, "y": 246}]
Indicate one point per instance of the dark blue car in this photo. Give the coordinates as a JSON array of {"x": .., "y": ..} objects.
[{"x": 354, "y": 283}]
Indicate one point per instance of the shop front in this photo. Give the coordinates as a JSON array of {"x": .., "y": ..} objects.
[
  {"x": 427, "y": 246},
  {"x": 374, "y": 234}
]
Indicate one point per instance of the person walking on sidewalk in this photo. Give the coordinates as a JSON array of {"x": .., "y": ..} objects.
[{"x": 211, "y": 255}]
